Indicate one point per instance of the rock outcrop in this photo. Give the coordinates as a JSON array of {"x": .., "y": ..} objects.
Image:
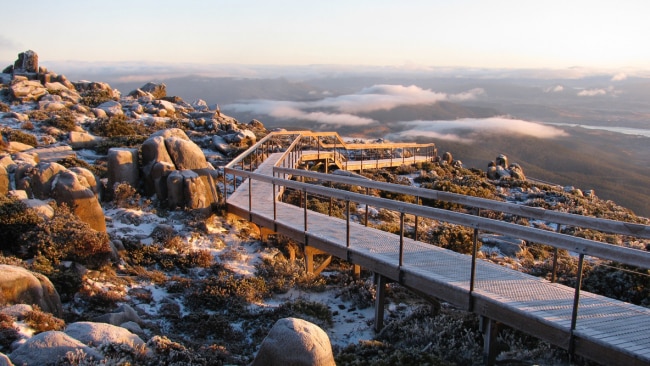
[
  {"x": 48, "y": 348},
  {"x": 83, "y": 202},
  {"x": 499, "y": 169},
  {"x": 176, "y": 170},
  {"x": 296, "y": 342},
  {"x": 94, "y": 334},
  {"x": 20, "y": 286},
  {"x": 76, "y": 187}
]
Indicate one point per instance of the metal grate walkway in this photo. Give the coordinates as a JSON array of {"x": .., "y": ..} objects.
[{"x": 608, "y": 331}]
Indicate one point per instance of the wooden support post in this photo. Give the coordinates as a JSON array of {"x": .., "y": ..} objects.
[
  {"x": 323, "y": 265},
  {"x": 309, "y": 259},
  {"x": 380, "y": 298},
  {"x": 490, "y": 330},
  {"x": 356, "y": 269}
]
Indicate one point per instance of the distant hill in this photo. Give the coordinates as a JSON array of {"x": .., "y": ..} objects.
[
  {"x": 614, "y": 165},
  {"x": 225, "y": 90}
]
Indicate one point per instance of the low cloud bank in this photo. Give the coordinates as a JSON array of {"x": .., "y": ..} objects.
[
  {"x": 340, "y": 110},
  {"x": 457, "y": 130},
  {"x": 295, "y": 111}
]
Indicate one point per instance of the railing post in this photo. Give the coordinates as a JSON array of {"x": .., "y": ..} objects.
[
  {"x": 347, "y": 223},
  {"x": 250, "y": 199},
  {"x": 401, "y": 239},
  {"x": 361, "y": 166},
  {"x": 473, "y": 270},
  {"x": 275, "y": 206},
  {"x": 331, "y": 201},
  {"x": 576, "y": 302},
  {"x": 366, "y": 218},
  {"x": 415, "y": 234},
  {"x": 305, "y": 210},
  {"x": 377, "y": 160},
  {"x": 225, "y": 186},
  {"x": 555, "y": 254}
]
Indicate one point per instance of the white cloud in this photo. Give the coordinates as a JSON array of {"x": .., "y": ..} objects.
[
  {"x": 340, "y": 110},
  {"x": 385, "y": 97},
  {"x": 619, "y": 77},
  {"x": 592, "y": 92},
  {"x": 454, "y": 130},
  {"x": 292, "y": 110},
  {"x": 554, "y": 89}
]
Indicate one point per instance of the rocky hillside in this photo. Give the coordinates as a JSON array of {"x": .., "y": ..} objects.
[{"x": 116, "y": 248}]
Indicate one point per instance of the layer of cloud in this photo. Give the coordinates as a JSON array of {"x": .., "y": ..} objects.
[
  {"x": 592, "y": 92},
  {"x": 619, "y": 77},
  {"x": 293, "y": 111},
  {"x": 457, "y": 130},
  {"x": 386, "y": 97},
  {"x": 554, "y": 89},
  {"x": 341, "y": 110}
]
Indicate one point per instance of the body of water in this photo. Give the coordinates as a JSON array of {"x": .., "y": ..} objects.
[{"x": 623, "y": 130}]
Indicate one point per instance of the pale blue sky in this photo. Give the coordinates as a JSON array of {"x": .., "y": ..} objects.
[{"x": 467, "y": 33}]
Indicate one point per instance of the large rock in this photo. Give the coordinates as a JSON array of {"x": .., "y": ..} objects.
[
  {"x": 81, "y": 200},
  {"x": 27, "y": 90},
  {"x": 221, "y": 145},
  {"x": 157, "y": 90},
  {"x": 123, "y": 314},
  {"x": 85, "y": 86},
  {"x": 158, "y": 179},
  {"x": 502, "y": 160},
  {"x": 175, "y": 168},
  {"x": 83, "y": 140},
  {"x": 20, "y": 286},
  {"x": 94, "y": 334},
  {"x": 42, "y": 177},
  {"x": 185, "y": 154},
  {"x": 51, "y": 103},
  {"x": 516, "y": 171},
  {"x": 295, "y": 342},
  {"x": 4, "y": 360},
  {"x": 123, "y": 167},
  {"x": 48, "y": 348},
  {"x": 27, "y": 62},
  {"x": 112, "y": 108},
  {"x": 86, "y": 178},
  {"x": 41, "y": 207},
  {"x": 67, "y": 93},
  {"x": 4, "y": 181},
  {"x": 194, "y": 191},
  {"x": 175, "y": 189}
]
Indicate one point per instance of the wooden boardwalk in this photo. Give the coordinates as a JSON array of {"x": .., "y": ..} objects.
[{"x": 607, "y": 331}]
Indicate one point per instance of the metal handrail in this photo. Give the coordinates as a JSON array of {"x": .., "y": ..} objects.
[
  {"x": 630, "y": 256},
  {"x": 562, "y": 218}
]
